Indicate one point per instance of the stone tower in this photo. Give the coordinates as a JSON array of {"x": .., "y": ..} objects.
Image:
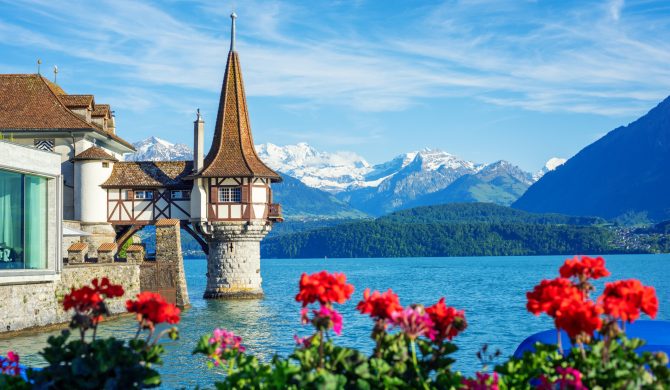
[{"x": 231, "y": 200}]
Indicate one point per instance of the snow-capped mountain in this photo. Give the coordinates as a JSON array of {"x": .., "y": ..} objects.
[
  {"x": 156, "y": 149},
  {"x": 332, "y": 172},
  {"x": 549, "y": 166},
  {"x": 427, "y": 176}
]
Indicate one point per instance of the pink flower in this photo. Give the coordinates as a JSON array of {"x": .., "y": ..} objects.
[
  {"x": 10, "y": 364},
  {"x": 483, "y": 381},
  {"x": 304, "y": 317},
  {"x": 570, "y": 378},
  {"x": 303, "y": 342},
  {"x": 334, "y": 318},
  {"x": 12, "y": 356},
  {"x": 414, "y": 322},
  {"x": 225, "y": 341}
]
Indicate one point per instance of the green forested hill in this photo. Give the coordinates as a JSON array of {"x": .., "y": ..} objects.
[
  {"x": 448, "y": 230},
  {"x": 483, "y": 212}
]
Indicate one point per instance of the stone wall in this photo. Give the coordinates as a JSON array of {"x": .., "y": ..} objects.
[
  {"x": 234, "y": 260},
  {"x": 169, "y": 271},
  {"x": 26, "y": 306}
]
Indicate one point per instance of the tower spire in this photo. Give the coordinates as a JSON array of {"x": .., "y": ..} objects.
[{"x": 233, "y": 16}]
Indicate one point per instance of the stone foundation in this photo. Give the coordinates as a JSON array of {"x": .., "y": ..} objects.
[
  {"x": 234, "y": 260},
  {"x": 36, "y": 305}
]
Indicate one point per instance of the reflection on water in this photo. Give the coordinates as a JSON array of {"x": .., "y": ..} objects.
[{"x": 490, "y": 289}]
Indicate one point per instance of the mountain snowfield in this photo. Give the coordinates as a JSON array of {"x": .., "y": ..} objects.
[
  {"x": 413, "y": 178},
  {"x": 156, "y": 149}
]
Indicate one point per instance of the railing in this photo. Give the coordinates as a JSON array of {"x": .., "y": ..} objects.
[{"x": 274, "y": 211}]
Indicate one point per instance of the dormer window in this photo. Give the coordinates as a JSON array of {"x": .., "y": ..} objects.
[{"x": 230, "y": 194}]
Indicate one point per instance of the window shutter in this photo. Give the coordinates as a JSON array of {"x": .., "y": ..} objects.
[
  {"x": 213, "y": 194},
  {"x": 245, "y": 194},
  {"x": 130, "y": 195}
]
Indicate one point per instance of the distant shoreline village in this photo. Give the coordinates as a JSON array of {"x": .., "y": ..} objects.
[{"x": 69, "y": 208}]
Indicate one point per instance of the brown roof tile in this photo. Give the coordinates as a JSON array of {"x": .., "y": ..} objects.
[
  {"x": 167, "y": 222},
  {"x": 135, "y": 248},
  {"x": 29, "y": 102},
  {"x": 78, "y": 247},
  {"x": 94, "y": 153},
  {"x": 232, "y": 153},
  {"x": 101, "y": 110},
  {"x": 107, "y": 247},
  {"x": 78, "y": 101},
  {"x": 129, "y": 174}
]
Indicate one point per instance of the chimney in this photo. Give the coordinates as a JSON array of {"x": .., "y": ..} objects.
[
  {"x": 198, "y": 143},
  {"x": 111, "y": 123}
]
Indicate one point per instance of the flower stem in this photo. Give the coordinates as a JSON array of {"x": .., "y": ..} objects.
[
  {"x": 321, "y": 353},
  {"x": 230, "y": 367},
  {"x": 559, "y": 342},
  {"x": 416, "y": 365}
]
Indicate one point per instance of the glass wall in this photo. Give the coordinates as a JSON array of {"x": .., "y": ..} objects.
[{"x": 23, "y": 221}]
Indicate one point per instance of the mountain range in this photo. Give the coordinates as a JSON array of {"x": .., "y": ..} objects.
[
  {"x": 626, "y": 172},
  {"x": 344, "y": 185}
]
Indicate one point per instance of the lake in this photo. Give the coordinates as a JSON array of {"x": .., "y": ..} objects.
[{"x": 491, "y": 290}]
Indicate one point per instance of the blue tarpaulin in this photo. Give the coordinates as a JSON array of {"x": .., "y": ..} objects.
[{"x": 655, "y": 333}]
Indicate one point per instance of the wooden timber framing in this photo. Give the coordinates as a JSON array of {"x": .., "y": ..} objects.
[{"x": 124, "y": 208}]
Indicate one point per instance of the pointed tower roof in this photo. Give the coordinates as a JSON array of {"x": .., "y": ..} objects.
[{"x": 233, "y": 153}]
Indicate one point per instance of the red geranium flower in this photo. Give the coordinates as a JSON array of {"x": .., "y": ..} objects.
[
  {"x": 584, "y": 267},
  {"x": 576, "y": 316},
  {"x": 152, "y": 309},
  {"x": 624, "y": 299},
  {"x": 447, "y": 321},
  {"x": 379, "y": 305},
  {"x": 82, "y": 300},
  {"x": 107, "y": 289},
  {"x": 548, "y": 296},
  {"x": 324, "y": 288}
]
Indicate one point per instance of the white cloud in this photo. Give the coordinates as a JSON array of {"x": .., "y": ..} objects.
[{"x": 508, "y": 54}]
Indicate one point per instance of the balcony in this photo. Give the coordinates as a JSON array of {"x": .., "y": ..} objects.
[{"x": 274, "y": 212}]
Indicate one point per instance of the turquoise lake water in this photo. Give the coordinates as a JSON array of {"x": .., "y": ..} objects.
[{"x": 491, "y": 290}]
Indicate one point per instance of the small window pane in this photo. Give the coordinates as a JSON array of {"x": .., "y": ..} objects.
[{"x": 230, "y": 194}]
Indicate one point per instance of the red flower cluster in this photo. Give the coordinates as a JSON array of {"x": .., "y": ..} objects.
[
  {"x": 324, "y": 288},
  {"x": 10, "y": 364},
  {"x": 447, "y": 321},
  {"x": 584, "y": 268},
  {"x": 90, "y": 299},
  {"x": 109, "y": 290},
  {"x": 625, "y": 299},
  {"x": 380, "y": 306},
  {"x": 576, "y": 316},
  {"x": 549, "y": 295},
  {"x": 152, "y": 309},
  {"x": 82, "y": 299},
  {"x": 562, "y": 300}
]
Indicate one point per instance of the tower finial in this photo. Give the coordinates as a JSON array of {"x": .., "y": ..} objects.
[
  {"x": 39, "y": 62},
  {"x": 233, "y": 16},
  {"x": 55, "y": 74}
]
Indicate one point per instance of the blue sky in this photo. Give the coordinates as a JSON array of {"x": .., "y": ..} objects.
[{"x": 485, "y": 80}]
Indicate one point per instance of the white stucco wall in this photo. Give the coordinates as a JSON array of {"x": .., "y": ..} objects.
[{"x": 89, "y": 198}]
